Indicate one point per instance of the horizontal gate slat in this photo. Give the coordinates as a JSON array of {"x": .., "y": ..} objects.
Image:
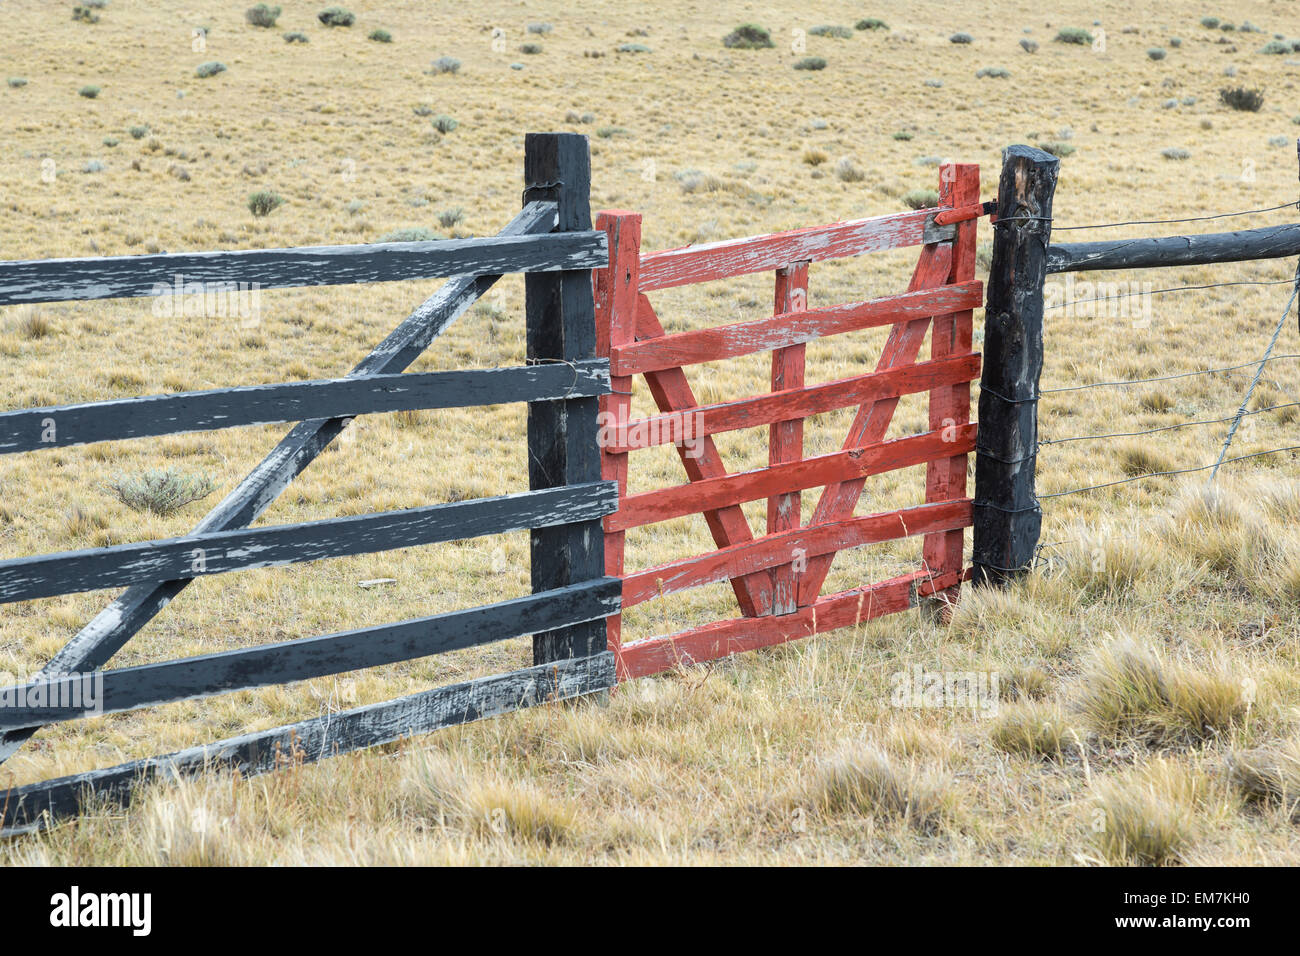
[
  {"x": 130, "y": 688},
  {"x": 722, "y": 638},
  {"x": 791, "y": 328},
  {"x": 117, "y": 277},
  {"x": 315, "y": 739},
  {"x": 63, "y": 425},
  {"x": 733, "y": 257},
  {"x": 654, "y": 506},
  {"x": 776, "y": 549},
  {"x": 676, "y": 427},
  {"x": 219, "y": 552}
]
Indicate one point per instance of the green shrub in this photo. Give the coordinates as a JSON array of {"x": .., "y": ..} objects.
[
  {"x": 444, "y": 123},
  {"x": 380, "y": 36},
  {"x": 93, "y": 166},
  {"x": 1210, "y": 23},
  {"x": 1076, "y": 35},
  {"x": 1175, "y": 152},
  {"x": 811, "y": 63},
  {"x": 1175, "y": 42},
  {"x": 961, "y": 39},
  {"x": 1028, "y": 45},
  {"x": 531, "y": 49},
  {"x": 609, "y": 132},
  {"x": 1155, "y": 53},
  {"x": 295, "y": 37},
  {"x": 1240, "y": 98},
  {"x": 264, "y": 202},
  {"x": 89, "y": 92},
  {"x": 871, "y": 23},
  {"x": 85, "y": 15},
  {"x": 211, "y": 68},
  {"x": 138, "y": 132},
  {"x": 1276, "y": 47},
  {"x": 261, "y": 15},
  {"x": 450, "y": 217},
  {"x": 996, "y": 72},
  {"x": 161, "y": 492},
  {"x": 445, "y": 64},
  {"x": 1057, "y": 148},
  {"x": 825, "y": 30},
  {"x": 336, "y": 17},
  {"x": 541, "y": 29},
  {"x": 110, "y": 141},
  {"x": 17, "y": 81},
  {"x": 748, "y": 36},
  {"x": 634, "y": 48},
  {"x": 902, "y": 135},
  {"x": 413, "y": 234},
  {"x": 921, "y": 199}
]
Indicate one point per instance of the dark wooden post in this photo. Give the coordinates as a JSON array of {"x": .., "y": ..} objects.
[
  {"x": 1007, "y": 517},
  {"x": 562, "y": 447}
]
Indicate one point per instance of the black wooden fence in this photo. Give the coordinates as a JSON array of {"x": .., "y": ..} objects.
[{"x": 551, "y": 240}]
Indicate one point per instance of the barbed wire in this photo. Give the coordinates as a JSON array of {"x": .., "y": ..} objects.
[
  {"x": 1157, "y": 222},
  {"x": 1182, "y": 288},
  {"x": 1165, "y": 474},
  {"x": 1164, "y": 378},
  {"x": 1162, "y": 428}
]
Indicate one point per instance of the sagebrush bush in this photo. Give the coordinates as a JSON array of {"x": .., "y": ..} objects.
[
  {"x": 847, "y": 172},
  {"x": 1075, "y": 35},
  {"x": 530, "y": 49},
  {"x": 444, "y": 124},
  {"x": 811, "y": 63},
  {"x": 211, "y": 68},
  {"x": 1028, "y": 45},
  {"x": 264, "y": 202},
  {"x": 827, "y": 30},
  {"x": 84, "y": 14},
  {"x": 450, "y": 217},
  {"x": 15, "y": 82},
  {"x": 161, "y": 492},
  {"x": 994, "y": 72},
  {"x": 445, "y": 64},
  {"x": 413, "y": 234},
  {"x": 336, "y": 17},
  {"x": 262, "y": 15},
  {"x": 961, "y": 39},
  {"x": 871, "y": 23},
  {"x": 1240, "y": 98},
  {"x": 541, "y": 29},
  {"x": 748, "y": 36},
  {"x": 138, "y": 132},
  {"x": 296, "y": 37},
  {"x": 89, "y": 92},
  {"x": 921, "y": 199},
  {"x": 1155, "y": 53},
  {"x": 1175, "y": 152},
  {"x": 380, "y": 36}
]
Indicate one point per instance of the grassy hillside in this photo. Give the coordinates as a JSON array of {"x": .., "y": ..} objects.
[{"x": 1148, "y": 669}]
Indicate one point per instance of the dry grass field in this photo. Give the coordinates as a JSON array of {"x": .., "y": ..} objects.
[{"x": 1149, "y": 669}]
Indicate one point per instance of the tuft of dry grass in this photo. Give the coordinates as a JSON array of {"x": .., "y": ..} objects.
[
  {"x": 1147, "y": 818},
  {"x": 1130, "y": 691},
  {"x": 862, "y": 778},
  {"x": 1032, "y": 730},
  {"x": 1268, "y": 776}
]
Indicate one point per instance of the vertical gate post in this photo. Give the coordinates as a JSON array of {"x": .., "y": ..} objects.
[
  {"x": 562, "y": 435},
  {"x": 1007, "y": 516}
]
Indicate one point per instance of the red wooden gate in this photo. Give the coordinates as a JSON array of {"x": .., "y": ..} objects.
[{"x": 777, "y": 578}]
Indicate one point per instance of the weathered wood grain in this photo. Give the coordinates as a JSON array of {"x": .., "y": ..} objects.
[
  {"x": 35, "y": 805},
  {"x": 654, "y": 506},
  {"x": 775, "y": 549},
  {"x": 100, "y": 639},
  {"x": 1007, "y": 518},
  {"x": 118, "y": 277},
  {"x": 615, "y": 296},
  {"x": 58, "y": 426},
  {"x": 1268, "y": 242},
  {"x": 733, "y": 257},
  {"x": 785, "y": 437},
  {"x": 220, "y": 552},
  {"x": 561, "y": 326},
  {"x": 801, "y": 403},
  {"x": 744, "y": 338},
  {"x": 130, "y": 688}
]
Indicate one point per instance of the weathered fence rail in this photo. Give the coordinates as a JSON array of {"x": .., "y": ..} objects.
[{"x": 552, "y": 243}]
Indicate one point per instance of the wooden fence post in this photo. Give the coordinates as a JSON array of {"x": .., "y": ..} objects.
[
  {"x": 562, "y": 435},
  {"x": 785, "y": 439},
  {"x": 1007, "y": 516}
]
